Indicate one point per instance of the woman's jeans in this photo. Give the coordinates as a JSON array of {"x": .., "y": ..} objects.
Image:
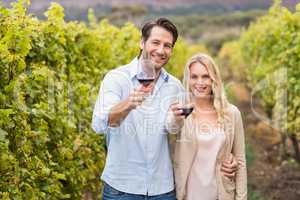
[{"x": 110, "y": 193}]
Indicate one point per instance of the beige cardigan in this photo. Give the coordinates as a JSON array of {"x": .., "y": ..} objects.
[{"x": 186, "y": 148}]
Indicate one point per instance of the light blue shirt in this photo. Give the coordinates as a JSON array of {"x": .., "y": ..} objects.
[{"x": 138, "y": 158}]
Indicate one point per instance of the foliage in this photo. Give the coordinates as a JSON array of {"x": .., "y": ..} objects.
[
  {"x": 181, "y": 53},
  {"x": 50, "y": 75},
  {"x": 271, "y": 49},
  {"x": 233, "y": 65},
  {"x": 253, "y": 194}
]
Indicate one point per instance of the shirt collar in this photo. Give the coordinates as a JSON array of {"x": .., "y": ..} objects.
[{"x": 134, "y": 68}]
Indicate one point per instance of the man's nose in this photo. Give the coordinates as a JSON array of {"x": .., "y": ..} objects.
[{"x": 160, "y": 49}]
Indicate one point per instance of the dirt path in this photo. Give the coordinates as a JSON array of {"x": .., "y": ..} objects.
[{"x": 269, "y": 176}]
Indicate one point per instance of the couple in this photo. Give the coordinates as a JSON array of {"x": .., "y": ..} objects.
[{"x": 137, "y": 120}]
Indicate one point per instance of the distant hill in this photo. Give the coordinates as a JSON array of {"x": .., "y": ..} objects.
[{"x": 159, "y": 4}]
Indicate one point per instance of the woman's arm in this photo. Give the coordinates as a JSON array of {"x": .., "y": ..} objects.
[
  {"x": 174, "y": 121},
  {"x": 185, "y": 152},
  {"x": 239, "y": 153}
]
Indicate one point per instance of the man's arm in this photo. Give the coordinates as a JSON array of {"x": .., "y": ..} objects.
[
  {"x": 110, "y": 110},
  {"x": 229, "y": 167},
  {"x": 120, "y": 111},
  {"x": 109, "y": 96}
]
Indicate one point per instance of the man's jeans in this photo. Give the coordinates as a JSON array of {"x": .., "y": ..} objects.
[{"x": 110, "y": 193}]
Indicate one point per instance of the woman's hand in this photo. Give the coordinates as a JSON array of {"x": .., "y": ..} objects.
[{"x": 176, "y": 108}]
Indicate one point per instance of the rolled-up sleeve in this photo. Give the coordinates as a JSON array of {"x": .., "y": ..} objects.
[{"x": 109, "y": 95}]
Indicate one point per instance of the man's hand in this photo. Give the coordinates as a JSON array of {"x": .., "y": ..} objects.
[
  {"x": 229, "y": 167},
  {"x": 135, "y": 99},
  {"x": 119, "y": 112},
  {"x": 138, "y": 95}
]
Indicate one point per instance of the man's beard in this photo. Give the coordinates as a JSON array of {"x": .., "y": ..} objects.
[{"x": 146, "y": 55}]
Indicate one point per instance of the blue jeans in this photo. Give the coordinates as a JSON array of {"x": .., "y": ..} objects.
[{"x": 110, "y": 193}]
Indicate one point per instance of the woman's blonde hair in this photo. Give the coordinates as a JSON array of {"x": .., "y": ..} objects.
[{"x": 220, "y": 101}]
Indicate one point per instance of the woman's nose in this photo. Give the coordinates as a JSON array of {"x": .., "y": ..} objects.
[{"x": 200, "y": 81}]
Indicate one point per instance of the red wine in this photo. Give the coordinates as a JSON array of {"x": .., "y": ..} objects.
[
  {"x": 146, "y": 81},
  {"x": 186, "y": 111}
]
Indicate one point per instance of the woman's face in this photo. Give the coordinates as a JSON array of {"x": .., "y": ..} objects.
[{"x": 200, "y": 82}]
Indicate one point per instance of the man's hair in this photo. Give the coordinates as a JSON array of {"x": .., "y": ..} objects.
[{"x": 161, "y": 22}]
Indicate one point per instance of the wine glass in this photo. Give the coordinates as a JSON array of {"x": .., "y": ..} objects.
[
  {"x": 187, "y": 104},
  {"x": 146, "y": 72}
]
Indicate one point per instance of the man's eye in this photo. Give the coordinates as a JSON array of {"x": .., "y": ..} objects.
[{"x": 168, "y": 46}]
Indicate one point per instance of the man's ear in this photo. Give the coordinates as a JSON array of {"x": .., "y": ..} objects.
[{"x": 142, "y": 44}]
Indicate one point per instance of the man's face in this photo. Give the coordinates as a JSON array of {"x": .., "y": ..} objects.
[{"x": 158, "y": 47}]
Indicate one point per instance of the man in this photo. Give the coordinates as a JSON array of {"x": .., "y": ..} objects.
[{"x": 133, "y": 117}]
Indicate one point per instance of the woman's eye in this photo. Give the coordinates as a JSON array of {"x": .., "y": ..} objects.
[{"x": 205, "y": 77}]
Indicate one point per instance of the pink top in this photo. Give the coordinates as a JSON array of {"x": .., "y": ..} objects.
[{"x": 201, "y": 183}]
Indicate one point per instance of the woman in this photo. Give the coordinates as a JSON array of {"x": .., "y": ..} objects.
[{"x": 209, "y": 135}]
